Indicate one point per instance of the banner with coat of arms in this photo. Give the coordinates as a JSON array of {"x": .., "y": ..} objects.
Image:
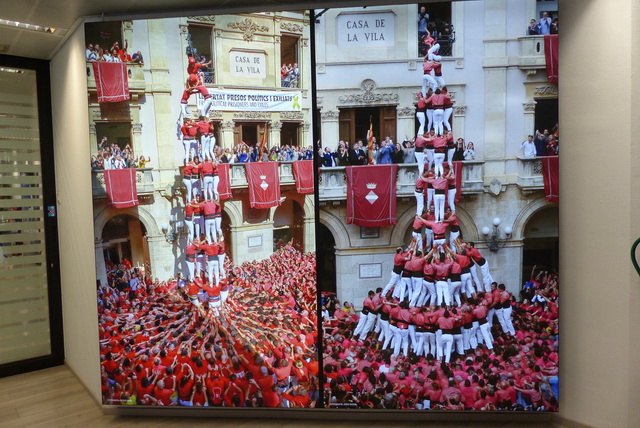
[{"x": 371, "y": 195}]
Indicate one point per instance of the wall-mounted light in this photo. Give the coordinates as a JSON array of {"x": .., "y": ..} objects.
[
  {"x": 495, "y": 240},
  {"x": 172, "y": 230}
]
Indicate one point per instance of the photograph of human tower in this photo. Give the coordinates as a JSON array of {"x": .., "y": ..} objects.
[
  {"x": 203, "y": 195},
  {"x": 438, "y": 205}
]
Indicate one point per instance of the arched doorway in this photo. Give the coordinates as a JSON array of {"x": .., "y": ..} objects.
[
  {"x": 288, "y": 224},
  {"x": 541, "y": 242},
  {"x": 123, "y": 237},
  {"x": 326, "y": 258}
]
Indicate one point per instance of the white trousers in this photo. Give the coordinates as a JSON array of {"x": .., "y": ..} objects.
[
  {"x": 190, "y": 229},
  {"x": 455, "y": 291},
  {"x": 428, "y": 80},
  {"x": 451, "y": 199},
  {"x": 421, "y": 119},
  {"x": 418, "y": 239},
  {"x": 401, "y": 341},
  {"x": 395, "y": 278},
  {"x": 429, "y": 120},
  {"x": 432, "y": 53},
  {"x": 210, "y": 229},
  {"x": 420, "y": 160},
  {"x": 447, "y": 112},
  {"x": 467, "y": 284},
  {"x": 442, "y": 289},
  {"x": 212, "y": 272},
  {"x": 438, "y": 119},
  {"x": 207, "y": 184},
  {"x": 431, "y": 293},
  {"x": 187, "y": 186},
  {"x": 221, "y": 266},
  {"x": 438, "y": 200},
  {"x": 419, "y": 202},
  {"x": 446, "y": 343},
  {"x": 438, "y": 160}
]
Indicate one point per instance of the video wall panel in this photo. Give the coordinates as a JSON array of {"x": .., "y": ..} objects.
[{"x": 222, "y": 176}]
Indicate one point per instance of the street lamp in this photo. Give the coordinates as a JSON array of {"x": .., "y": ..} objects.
[{"x": 494, "y": 240}]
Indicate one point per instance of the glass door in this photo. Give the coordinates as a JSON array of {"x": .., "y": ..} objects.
[{"x": 30, "y": 309}]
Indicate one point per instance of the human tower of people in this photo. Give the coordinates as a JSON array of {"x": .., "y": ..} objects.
[
  {"x": 222, "y": 335},
  {"x": 438, "y": 309}
]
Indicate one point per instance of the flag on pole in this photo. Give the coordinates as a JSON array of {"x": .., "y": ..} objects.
[
  {"x": 262, "y": 142},
  {"x": 370, "y": 142}
]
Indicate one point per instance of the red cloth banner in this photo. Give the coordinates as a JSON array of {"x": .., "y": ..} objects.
[
  {"x": 457, "y": 170},
  {"x": 224, "y": 185},
  {"x": 303, "y": 171},
  {"x": 371, "y": 195},
  {"x": 264, "y": 184},
  {"x": 121, "y": 187},
  {"x": 112, "y": 83},
  {"x": 550, "y": 175},
  {"x": 551, "y": 56}
]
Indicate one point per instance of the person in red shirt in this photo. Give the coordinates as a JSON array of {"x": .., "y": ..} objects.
[
  {"x": 427, "y": 78},
  {"x": 438, "y": 100},
  {"x": 188, "y": 133},
  {"x": 211, "y": 251},
  {"x": 198, "y": 218},
  {"x": 206, "y": 169},
  {"x": 420, "y": 144},
  {"x": 186, "y": 180},
  {"x": 487, "y": 279},
  {"x": 209, "y": 210},
  {"x": 440, "y": 186},
  {"x": 196, "y": 182},
  {"x": 190, "y": 257},
  {"x": 415, "y": 266},
  {"x": 207, "y": 140},
  {"x": 221, "y": 257},
  {"x": 420, "y": 113},
  {"x": 188, "y": 215},
  {"x": 403, "y": 318},
  {"x": 481, "y": 324},
  {"x": 446, "y": 323},
  {"x": 399, "y": 260},
  {"x": 442, "y": 267},
  {"x": 451, "y": 189},
  {"x": 504, "y": 311},
  {"x": 194, "y": 85},
  {"x": 367, "y": 307},
  {"x": 421, "y": 183}
]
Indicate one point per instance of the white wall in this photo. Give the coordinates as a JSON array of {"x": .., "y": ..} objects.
[
  {"x": 600, "y": 349},
  {"x": 75, "y": 214},
  {"x": 598, "y": 213}
]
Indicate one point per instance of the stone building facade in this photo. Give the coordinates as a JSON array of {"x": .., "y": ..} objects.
[
  {"x": 497, "y": 78},
  {"x": 149, "y": 121}
]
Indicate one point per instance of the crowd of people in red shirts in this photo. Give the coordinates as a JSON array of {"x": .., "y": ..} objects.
[
  {"x": 258, "y": 350},
  {"x": 477, "y": 350}
]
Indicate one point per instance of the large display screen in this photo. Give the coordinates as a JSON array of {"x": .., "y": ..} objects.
[{"x": 414, "y": 146}]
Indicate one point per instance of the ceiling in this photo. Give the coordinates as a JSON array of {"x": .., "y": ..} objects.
[{"x": 66, "y": 15}]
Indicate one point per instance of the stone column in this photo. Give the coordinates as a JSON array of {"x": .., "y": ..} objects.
[
  {"x": 165, "y": 123},
  {"x": 161, "y": 257},
  {"x": 309, "y": 227},
  {"x": 495, "y": 63},
  {"x": 101, "y": 267},
  {"x": 406, "y": 127},
  {"x": 227, "y": 134},
  {"x": 330, "y": 129},
  {"x": 305, "y": 139},
  {"x": 274, "y": 134},
  {"x": 529, "y": 117},
  {"x": 457, "y": 122}
]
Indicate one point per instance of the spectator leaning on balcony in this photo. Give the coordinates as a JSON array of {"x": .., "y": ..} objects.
[
  {"x": 528, "y": 147},
  {"x": 423, "y": 21},
  {"x": 545, "y": 23},
  {"x": 533, "y": 29},
  {"x": 470, "y": 152},
  {"x": 386, "y": 152},
  {"x": 541, "y": 140}
]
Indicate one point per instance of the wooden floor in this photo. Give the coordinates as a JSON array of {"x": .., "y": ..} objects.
[{"x": 55, "y": 398}]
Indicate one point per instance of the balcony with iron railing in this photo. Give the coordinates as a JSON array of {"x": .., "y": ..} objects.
[{"x": 333, "y": 180}]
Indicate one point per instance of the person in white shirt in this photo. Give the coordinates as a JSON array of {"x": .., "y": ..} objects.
[{"x": 529, "y": 147}]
